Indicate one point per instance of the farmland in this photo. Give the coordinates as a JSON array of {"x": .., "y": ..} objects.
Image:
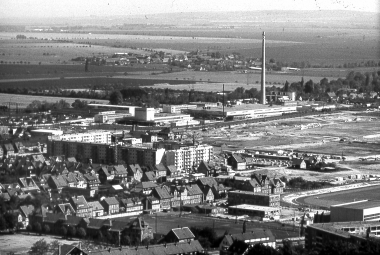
[
  {"x": 25, "y": 100},
  {"x": 371, "y": 193}
]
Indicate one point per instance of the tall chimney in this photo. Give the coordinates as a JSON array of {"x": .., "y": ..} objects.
[{"x": 263, "y": 96}]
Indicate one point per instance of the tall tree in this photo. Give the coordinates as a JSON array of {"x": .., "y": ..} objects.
[
  {"x": 116, "y": 97},
  {"x": 41, "y": 247}
]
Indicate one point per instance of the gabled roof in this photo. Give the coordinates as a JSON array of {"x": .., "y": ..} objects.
[
  {"x": 58, "y": 181},
  {"x": 79, "y": 201},
  {"x": 95, "y": 223},
  {"x": 146, "y": 185},
  {"x": 238, "y": 158},
  {"x": 193, "y": 190},
  {"x": 66, "y": 206},
  {"x": 150, "y": 176},
  {"x": 111, "y": 201},
  {"x": 207, "y": 181},
  {"x": 134, "y": 168},
  {"x": 95, "y": 205},
  {"x": 120, "y": 170},
  {"x": 183, "y": 233},
  {"x": 172, "y": 169},
  {"x": 119, "y": 225},
  {"x": 73, "y": 220},
  {"x": 162, "y": 193},
  {"x": 297, "y": 161},
  {"x": 54, "y": 217},
  {"x": 160, "y": 167},
  {"x": 26, "y": 210},
  {"x": 8, "y": 147}
]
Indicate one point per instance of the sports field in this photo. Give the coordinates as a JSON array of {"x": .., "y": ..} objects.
[{"x": 371, "y": 193}]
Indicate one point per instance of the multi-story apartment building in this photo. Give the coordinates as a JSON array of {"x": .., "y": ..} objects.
[
  {"x": 237, "y": 197},
  {"x": 187, "y": 157},
  {"x": 141, "y": 155},
  {"x": 99, "y": 153},
  {"x": 99, "y": 136}
]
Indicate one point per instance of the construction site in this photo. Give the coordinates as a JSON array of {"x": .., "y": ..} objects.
[{"x": 350, "y": 139}]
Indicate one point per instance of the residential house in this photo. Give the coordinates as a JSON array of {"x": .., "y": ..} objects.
[
  {"x": 179, "y": 235},
  {"x": 66, "y": 249},
  {"x": 25, "y": 212},
  {"x": 237, "y": 162},
  {"x": 152, "y": 204},
  {"x": 194, "y": 194},
  {"x": 131, "y": 206},
  {"x": 144, "y": 188},
  {"x": 120, "y": 173},
  {"x": 56, "y": 182},
  {"x": 20, "y": 148},
  {"x": 148, "y": 176},
  {"x": 66, "y": 209},
  {"x": 111, "y": 205},
  {"x": 70, "y": 179},
  {"x": 205, "y": 169},
  {"x": 162, "y": 193},
  {"x": 9, "y": 149},
  {"x": 134, "y": 172},
  {"x": 210, "y": 182},
  {"x": 253, "y": 237},
  {"x": 92, "y": 181},
  {"x": 81, "y": 207},
  {"x": 97, "y": 209},
  {"x": 298, "y": 163},
  {"x": 105, "y": 175},
  {"x": 27, "y": 185},
  {"x": 53, "y": 220},
  {"x": 159, "y": 170},
  {"x": 138, "y": 229},
  {"x": 73, "y": 221}
]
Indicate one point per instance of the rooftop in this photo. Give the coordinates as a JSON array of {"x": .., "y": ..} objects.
[
  {"x": 254, "y": 207},
  {"x": 244, "y": 107},
  {"x": 363, "y": 204}
]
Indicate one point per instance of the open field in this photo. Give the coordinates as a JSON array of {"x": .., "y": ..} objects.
[
  {"x": 21, "y": 243},
  {"x": 25, "y": 100},
  {"x": 167, "y": 222},
  {"x": 371, "y": 193}
]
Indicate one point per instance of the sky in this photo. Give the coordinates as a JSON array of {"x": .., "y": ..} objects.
[{"x": 83, "y": 8}]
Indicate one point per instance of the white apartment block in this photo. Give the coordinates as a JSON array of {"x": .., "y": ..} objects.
[
  {"x": 88, "y": 137},
  {"x": 187, "y": 157}
]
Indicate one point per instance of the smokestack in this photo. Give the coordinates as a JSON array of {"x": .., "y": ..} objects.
[{"x": 263, "y": 96}]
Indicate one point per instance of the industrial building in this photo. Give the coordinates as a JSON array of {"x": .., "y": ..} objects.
[
  {"x": 363, "y": 210},
  {"x": 316, "y": 235},
  {"x": 109, "y": 117},
  {"x": 149, "y": 117},
  {"x": 238, "y": 197},
  {"x": 244, "y": 111},
  {"x": 255, "y": 211},
  {"x": 177, "y": 108},
  {"x": 108, "y": 107}
]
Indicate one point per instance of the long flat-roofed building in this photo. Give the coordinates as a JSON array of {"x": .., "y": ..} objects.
[
  {"x": 316, "y": 235},
  {"x": 242, "y": 111},
  {"x": 364, "y": 210},
  {"x": 255, "y": 211}
]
